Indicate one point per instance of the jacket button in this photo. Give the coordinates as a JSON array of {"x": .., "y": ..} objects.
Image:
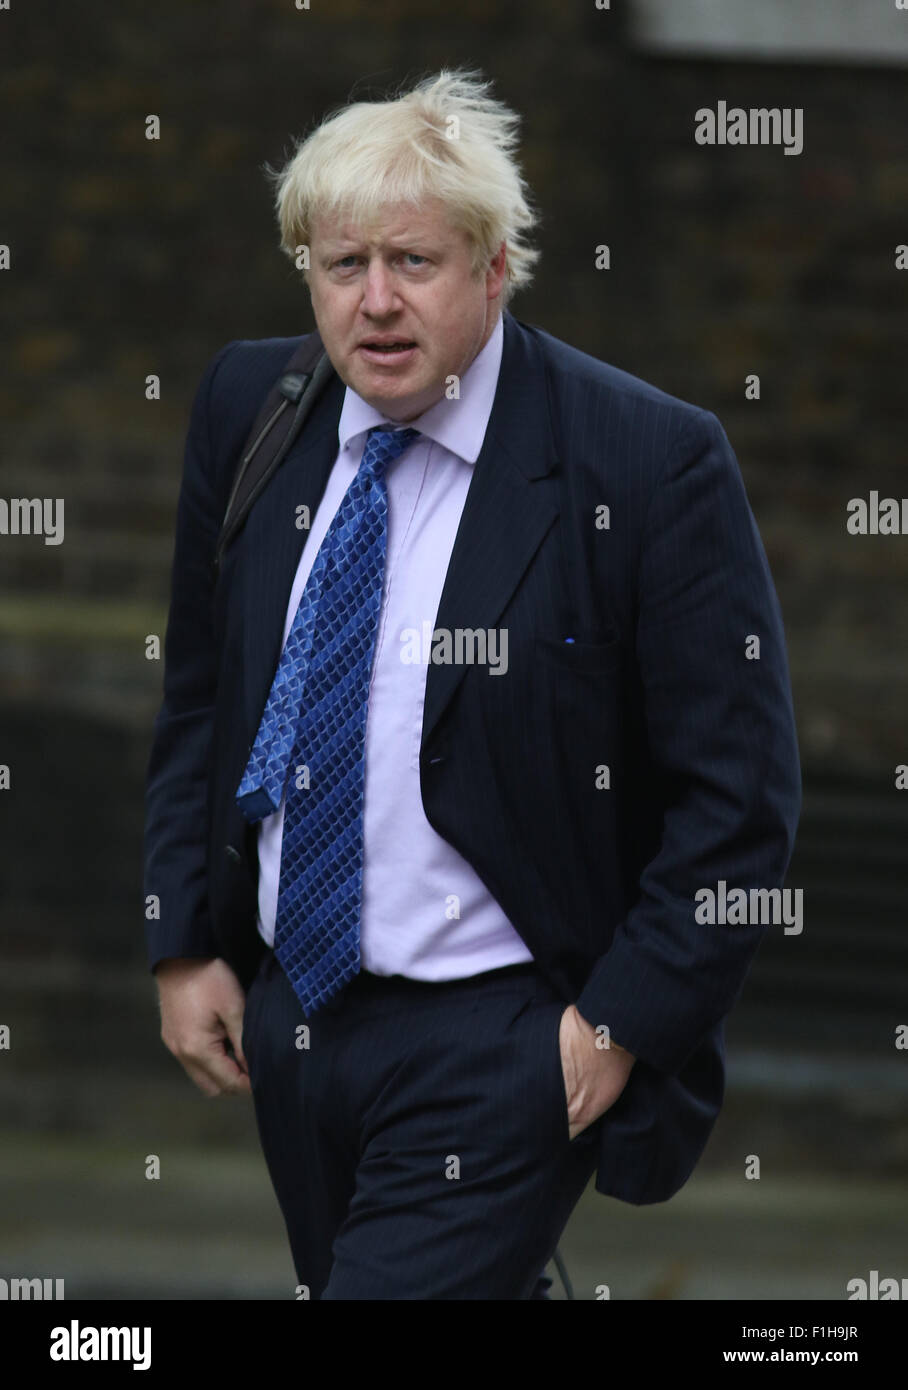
[{"x": 233, "y": 854}]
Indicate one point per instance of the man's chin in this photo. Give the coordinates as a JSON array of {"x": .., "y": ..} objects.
[{"x": 394, "y": 399}]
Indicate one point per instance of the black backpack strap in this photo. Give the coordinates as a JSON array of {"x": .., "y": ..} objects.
[{"x": 276, "y": 426}]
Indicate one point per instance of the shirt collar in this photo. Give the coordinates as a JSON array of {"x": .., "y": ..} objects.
[{"x": 458, "y": 430}]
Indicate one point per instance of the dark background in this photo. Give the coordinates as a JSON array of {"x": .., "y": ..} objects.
[{"x": 131, "y": 257}]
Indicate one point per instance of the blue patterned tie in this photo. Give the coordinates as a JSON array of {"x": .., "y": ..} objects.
[{"x": 315, "y": 719}]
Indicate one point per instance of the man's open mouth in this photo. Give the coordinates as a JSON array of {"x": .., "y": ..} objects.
[{"x": 398, "y": 346}]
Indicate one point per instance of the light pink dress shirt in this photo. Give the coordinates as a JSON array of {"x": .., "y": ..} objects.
[{"x": 425, "y": 912}]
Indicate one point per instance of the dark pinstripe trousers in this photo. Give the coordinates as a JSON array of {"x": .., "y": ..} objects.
[{"x": 417, "y": 1135}]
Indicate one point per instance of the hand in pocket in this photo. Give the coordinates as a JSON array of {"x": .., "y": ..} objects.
[{"x": 594, "y": 1076}]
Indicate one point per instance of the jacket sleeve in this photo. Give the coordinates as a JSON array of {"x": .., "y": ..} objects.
[
  {"x": 721, "y": 733},
  {"x": 177, "y": 922}
]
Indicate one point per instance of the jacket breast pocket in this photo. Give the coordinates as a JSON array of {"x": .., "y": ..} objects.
[{"x": 578, "y": 656}]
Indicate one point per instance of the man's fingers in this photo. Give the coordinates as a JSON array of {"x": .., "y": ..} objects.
[
  {"x": 201, "y": 1078},
  {"x": 202, "y": 1006},
  {"x": 233, "y": 1022},
  {"x": 231, "y": 1079},
  {"x": 206, "y": 1061},
  {"x": 215, "y": 1072}
]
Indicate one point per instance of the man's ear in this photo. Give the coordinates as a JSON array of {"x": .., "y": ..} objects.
[{"x": 497, "y": 272}]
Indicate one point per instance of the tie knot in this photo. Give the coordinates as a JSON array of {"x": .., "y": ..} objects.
[{"x": 383, "y": 446}]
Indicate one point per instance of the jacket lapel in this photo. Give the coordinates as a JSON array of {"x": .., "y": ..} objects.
[{"x": 511, "y": 503}]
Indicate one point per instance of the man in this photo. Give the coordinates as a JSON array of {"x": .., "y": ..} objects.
[{"x": 440, "y": 915}]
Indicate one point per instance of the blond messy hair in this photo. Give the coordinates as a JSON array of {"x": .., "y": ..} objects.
[{"x": 444, "y": 139}]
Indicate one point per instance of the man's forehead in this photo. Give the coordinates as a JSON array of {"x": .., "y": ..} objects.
[{"x": 390, "y": 224}]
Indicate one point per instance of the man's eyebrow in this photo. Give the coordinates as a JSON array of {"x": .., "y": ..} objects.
[{"x": 331, "y": 246}]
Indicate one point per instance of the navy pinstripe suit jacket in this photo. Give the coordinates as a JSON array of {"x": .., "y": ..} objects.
[{"x": 699, "y": 741}]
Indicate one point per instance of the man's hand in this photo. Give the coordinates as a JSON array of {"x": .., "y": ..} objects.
[
  {"x": 202, "y": 1005},
  {"x": 594, "y": 1077}
]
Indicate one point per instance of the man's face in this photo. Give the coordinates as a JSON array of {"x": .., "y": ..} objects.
[{"x": 405, "y": 280}]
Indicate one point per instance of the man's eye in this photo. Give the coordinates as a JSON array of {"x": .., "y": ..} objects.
[{"x": 412, "y": 256}]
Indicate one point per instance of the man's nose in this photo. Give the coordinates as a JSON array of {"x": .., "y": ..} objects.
[{"x": 378, "y": 289}]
